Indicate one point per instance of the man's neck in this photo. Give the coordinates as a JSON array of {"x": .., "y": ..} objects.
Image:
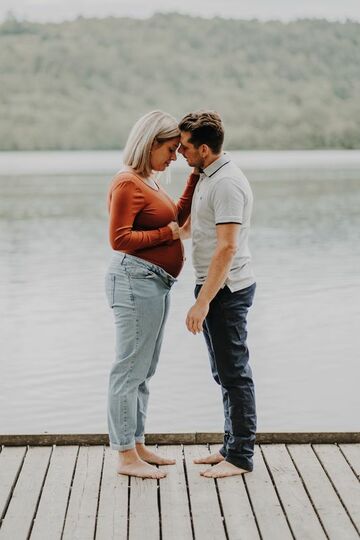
[{"x": 211, "y": 159}]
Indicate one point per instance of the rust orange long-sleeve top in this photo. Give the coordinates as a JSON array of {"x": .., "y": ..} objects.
[{"x": 139, "y": 218}]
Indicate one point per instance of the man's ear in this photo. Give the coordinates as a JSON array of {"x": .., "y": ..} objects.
[{"x": 204, "y": 150}]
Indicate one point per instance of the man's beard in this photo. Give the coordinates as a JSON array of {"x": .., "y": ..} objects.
[{"x": 199, "y": 163}]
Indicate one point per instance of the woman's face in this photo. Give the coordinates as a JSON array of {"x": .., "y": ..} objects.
[{"x": 162, "y": 154}]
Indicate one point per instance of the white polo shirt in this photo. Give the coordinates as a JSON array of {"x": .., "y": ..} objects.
[{"x": 222, "y": 195}]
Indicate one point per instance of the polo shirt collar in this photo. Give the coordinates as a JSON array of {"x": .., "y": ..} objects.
[{"x": 216, "y": 165}]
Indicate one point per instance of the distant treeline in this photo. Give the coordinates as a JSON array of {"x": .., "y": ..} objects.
[{"x": 82, "y": 84}]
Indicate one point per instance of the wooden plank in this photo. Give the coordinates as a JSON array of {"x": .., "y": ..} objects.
[
  {"x": 206, "y": 513},
  {"x": 175, "y": 514},
  {"x": 19, "y": 516},
  {"x": 352, "y": 454},
  {"x": 267, "y": 508},
  {"x": 342, "y": 478},
  {"x": 329, "y": 508},
  {"x": 10, "y": 463},
  {"x": 208, "y": 438},
  {"x": 52, "y": 508},
  {"x": 298, "y": 508},
  {"x": 144, "y": 510},
  {"x": 81, "y": 514},
  {"x": 49, "y": 439},
  {"x": 113, "y": 505},
  {"x": 308, "y": 437},
  {"x": 239, "y": 518}
]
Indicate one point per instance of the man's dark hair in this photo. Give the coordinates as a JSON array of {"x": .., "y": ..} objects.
[{"x": 206, "y": 128}]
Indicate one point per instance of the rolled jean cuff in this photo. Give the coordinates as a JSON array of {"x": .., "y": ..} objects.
[
  {"x": 140, "y": 439},
  {"x": 122, "y": 447},
  {"x": 222, "y": 451},
  {"x": 241, "y": 463}
]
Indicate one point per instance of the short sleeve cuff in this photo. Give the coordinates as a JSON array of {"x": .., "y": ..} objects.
[{"x": 229, "y": 219}]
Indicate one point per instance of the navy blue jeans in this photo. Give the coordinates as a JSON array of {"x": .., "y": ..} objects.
[{"x": 225, "y": 335}]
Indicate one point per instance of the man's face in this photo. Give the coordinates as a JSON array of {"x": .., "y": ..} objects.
[{"x": 188, "y": 150}]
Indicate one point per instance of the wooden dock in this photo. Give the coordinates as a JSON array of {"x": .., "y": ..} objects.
[{"x": 71, "y": 492}]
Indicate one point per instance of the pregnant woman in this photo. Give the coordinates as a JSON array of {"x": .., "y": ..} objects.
[{"x": 148, "y": 256}]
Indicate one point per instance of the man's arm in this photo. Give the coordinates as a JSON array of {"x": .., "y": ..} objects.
[
  {"x": 227, "y": 242},
  {"x": 185, "y": 230}
]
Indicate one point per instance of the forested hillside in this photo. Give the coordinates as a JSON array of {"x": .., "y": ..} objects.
[{"x": 82, "y": 84}]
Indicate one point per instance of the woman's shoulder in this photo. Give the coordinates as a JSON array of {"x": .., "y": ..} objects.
[
  {"x": 125, "y": 184},
  {"x": 124, "y": 177}
]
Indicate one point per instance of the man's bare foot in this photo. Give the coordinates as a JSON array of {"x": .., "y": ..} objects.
[
  {"x": 212, "y": 459},
  {"x": 151, "y": 457},
  {"x": 131, "y": 464},
  {"x": 223, "y": 469}
]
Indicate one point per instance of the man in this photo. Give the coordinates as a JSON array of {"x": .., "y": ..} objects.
[{"x": 225, "y": 284}]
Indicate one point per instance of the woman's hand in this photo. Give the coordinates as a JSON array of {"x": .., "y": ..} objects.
[{"x": 175, "y": 229}]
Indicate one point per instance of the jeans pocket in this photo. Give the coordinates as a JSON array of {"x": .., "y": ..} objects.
[
  {"x": 241, "y": 299},
  {"x": 139, "y": 272}
]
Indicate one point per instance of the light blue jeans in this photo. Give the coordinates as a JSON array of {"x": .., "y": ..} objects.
[{"x": 138, "y": 293}]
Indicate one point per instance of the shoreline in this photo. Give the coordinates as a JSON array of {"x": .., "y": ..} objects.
[
  {"x": 91, "y": 439},
  {"x": 109, "y": 161}
]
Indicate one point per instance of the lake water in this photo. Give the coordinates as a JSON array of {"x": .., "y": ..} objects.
[{"x": 56, "y": 331}]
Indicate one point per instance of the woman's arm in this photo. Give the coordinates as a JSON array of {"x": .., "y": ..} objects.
[
  {"x": 184, "y": 203},
  {"x": 126, "y": 201}
]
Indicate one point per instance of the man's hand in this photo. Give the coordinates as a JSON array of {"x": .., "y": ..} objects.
[
  {"x": 196, "y": 316},
  {"x": 185, "y": 230}
]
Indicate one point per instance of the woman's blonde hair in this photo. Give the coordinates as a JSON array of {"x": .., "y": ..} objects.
[{"x": 155, "y": 126}]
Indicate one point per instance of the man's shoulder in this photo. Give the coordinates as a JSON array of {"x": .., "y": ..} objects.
[
  {"x": 231, "y": 177},
  {"x": 232, "y": 170}
]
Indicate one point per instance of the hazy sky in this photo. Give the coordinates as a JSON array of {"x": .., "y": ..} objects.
[{"x": 57, "y": 10}]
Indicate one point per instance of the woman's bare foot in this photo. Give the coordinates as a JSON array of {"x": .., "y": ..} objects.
[
  {"x": 141, "y": 469},
  {"x": 151, "y": 457},
  {"x": 223, "y": 469},
  {"x": 130, "y": 464},
  {"x": 212, "y": 459}
]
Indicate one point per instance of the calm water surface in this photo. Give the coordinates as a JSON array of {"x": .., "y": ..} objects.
[{"x": 56, "y": 331}]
